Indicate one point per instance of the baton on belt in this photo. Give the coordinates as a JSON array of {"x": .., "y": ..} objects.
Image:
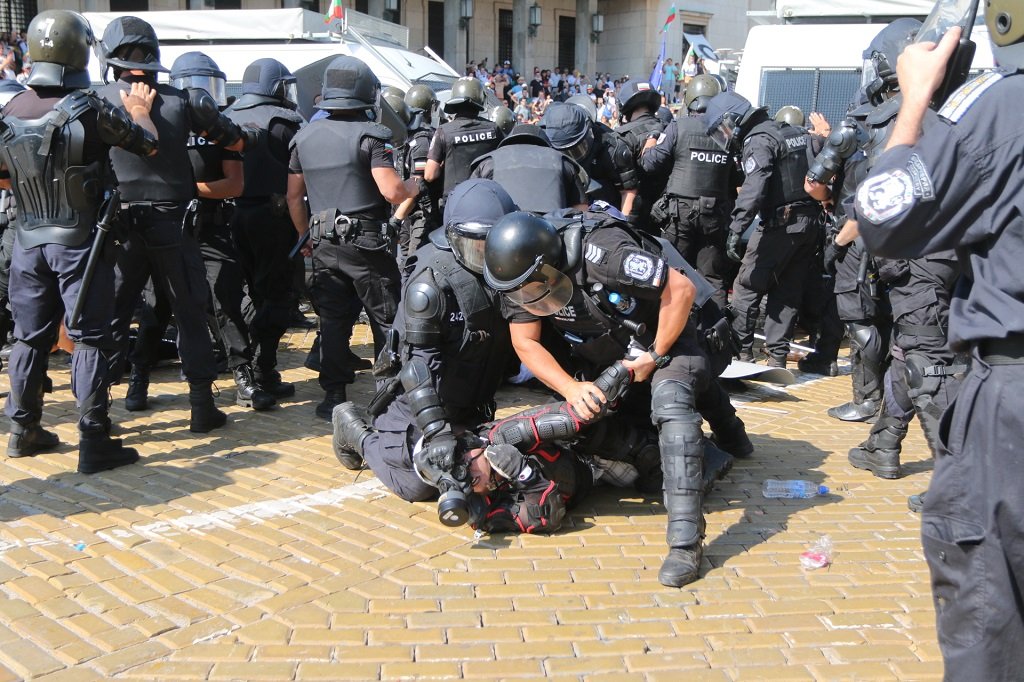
[{"x": 103, "y": 226}]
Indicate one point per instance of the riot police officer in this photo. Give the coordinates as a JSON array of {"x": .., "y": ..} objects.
[
  {"x": 538, "y": 178},
  {"x": 261, "y": 224},
  {"x": 350, "y": 235},
  {"x": 219, "y": 175},
  {"x": 694, "y": 212},
  {"x": 503, "y": 118},
  {"x": 945, "y": 182},
  {"x": 638, "y": 104},
  {"x": 57, "y": 135},
  {"x": 604, "y": 155},
  {"x": 775, "y": 162},
  {"x": 418, "y": 218},
  {"x": 791, "y": 115},
  {"x": 611, "y": 292},
  {"x": 158, "y": 192},
  {"x": 446, "y": 358},
  {"x": 459, "y": 141}
]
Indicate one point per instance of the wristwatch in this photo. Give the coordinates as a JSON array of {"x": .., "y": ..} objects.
[{"x": 660, "y": 361}]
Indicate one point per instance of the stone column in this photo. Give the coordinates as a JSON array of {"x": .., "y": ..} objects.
[
  {"x": 454, "y": 37},
  {"x": 522, "y": 49},
  {"x": 375, "y": 8},
  {"x": 584, "y": 53}
]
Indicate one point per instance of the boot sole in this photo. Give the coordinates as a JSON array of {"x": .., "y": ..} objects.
[
  {"x": 109, "y": 465},
  {"x": 136, "y": 407},
  {"x": 244, "y": 402},
  {"x": 880, "y": 471},
  {"x": 206, "y": 428},
  {"x": 15, "y": 453}
]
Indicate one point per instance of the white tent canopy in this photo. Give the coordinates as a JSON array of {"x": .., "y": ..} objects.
[{"x": 841, "y": 8}]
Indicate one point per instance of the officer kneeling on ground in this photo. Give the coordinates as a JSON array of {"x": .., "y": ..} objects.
[{"x": 610, "y": 291}]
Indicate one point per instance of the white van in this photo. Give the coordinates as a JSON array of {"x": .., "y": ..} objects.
[{"x": 817, "y": 67}]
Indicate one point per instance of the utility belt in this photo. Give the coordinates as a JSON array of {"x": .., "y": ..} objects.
[
  {"x": 278, "y": 204},
  {"x": 1008, "y": 351},
  {"x": 334, "y": 226},
  {"x": 931, "y": 330},
  {"x": 138, "y": 214},
  {"x": 782, "y": 215}
]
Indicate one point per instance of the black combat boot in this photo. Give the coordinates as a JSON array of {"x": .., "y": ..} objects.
[
  {"x": 776, "y": 362},
  {"x": 864, "y": 411},
  {"x": 332, "y": 399},
  {"x": 205, "y": 415},
  {"x": 270, "y": 381},
  {"x": 248, "y": 393},
  {"x": 813, "y": 363},
  {"x": 99, "y": 452},
  {"x": 137, "y": 397},
  {"x": 717, "y": 463},
  {"x": 732, "y": 437},
  {"x": 30, "y": 439},
  {"x": 880, "y": 453},
  {"x": 350, "y": 430}
]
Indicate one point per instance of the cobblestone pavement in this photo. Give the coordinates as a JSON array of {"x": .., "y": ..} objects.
[{"x": 249, "y": 553}]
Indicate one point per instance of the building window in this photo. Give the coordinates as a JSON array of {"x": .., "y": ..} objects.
[
  {"x": 363, "y": 6},
  {"x": 567, "y": 43},
  {"x": 129, "y": 5},
  {"x": 435, "y": 27},
  {"x": 15, "y": 14},
  {"x": 504, "y": 35}
]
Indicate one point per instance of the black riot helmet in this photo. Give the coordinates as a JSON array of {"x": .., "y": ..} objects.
[
  {"x": 58, "y": 43},
  {"x": 270, "y": 78},
  {"x": 635, "y": 93},
  {"x": 129, "y": 43},
  {"x": 790, "y": 115},
  {"x": 1007, "y": 37},
  {"x": 503, "y": 117},
  {"x": 421, "y": 97},
  {"x": 585, "y": 103},
  {"x": 664, "y": 115},
  {"x": 397, "y": 102},
  {"x": 526, "y": 133},
  {"x": 699, "y": 92},
  {"x": 729, "y": 117},
  {"x": 195, "y": 70},
  {"x": 349, "y": 85},
  {"x": 522, "y": 257},
  {"x": 570, "y": 130},
  {"x": 473, "y": 207},
  {"x": 879, "y": 75},
  {"x": 466, "y": 92}
]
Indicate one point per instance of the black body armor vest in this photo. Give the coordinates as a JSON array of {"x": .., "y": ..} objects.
[
  {"x": 531, "y": 174},
  {"x": 787, "y": 182},
  {"x": 467, "y": 139},
  {"x": 266, "y": 173},
  {"x": 700, "y": 168}
]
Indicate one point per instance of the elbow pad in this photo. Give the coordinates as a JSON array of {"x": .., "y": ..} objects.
[
  {"x": 212, "y": 124},
  {"x": 424, "y": 310},
  {"x": 118, "y": 130}
]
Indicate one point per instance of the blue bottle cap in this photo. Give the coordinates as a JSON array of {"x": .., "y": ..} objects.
[
  {"x": 614, "y": 298},
  {"x": 823, "y": 490}
]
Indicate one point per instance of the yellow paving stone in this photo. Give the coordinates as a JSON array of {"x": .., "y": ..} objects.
[
  {"x": 75, "y": 652},
  {"x": 337, "y": 671},
  {"x": 129, "y": 657},
  {"x": 456, "y": 652},
  {"x": 853, "y": 673},
  {"x": 75, "y": 674},
  {"x": 173, "y": 670},
  {"x": 420, "y": 670},
  {"x": 266, "y": 631},
  {"x": 255, "y": 670},
  {"x": 491, "y": 670}
]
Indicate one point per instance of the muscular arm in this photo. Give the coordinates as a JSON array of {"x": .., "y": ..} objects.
[
  {"x": 676, "y": 302},
  {"x": 297, "y": 202},
  {"x": 628, "y": 197},
  {"x": 657, "y": 158},
  {"x": 228, "y": 187},
  {"x": 392, "y": 187},
  {"x": 432, "y": 172}
]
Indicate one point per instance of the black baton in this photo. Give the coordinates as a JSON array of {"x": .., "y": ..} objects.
[{"x": 103, "y": 226}]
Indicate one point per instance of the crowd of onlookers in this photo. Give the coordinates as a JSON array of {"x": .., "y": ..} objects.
[
  {"x": 14, "y": 61},
  {"x": 528, "y": 97}
]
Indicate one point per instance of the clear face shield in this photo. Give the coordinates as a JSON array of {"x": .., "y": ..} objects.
[
  {"x": 213, "y": 85},
  {"x": 869, "y": 74},
  {"x": 580, "y": 151},
  {"x": 467, "y": 242},
  {"x": 545, "y": 292},
  {"x": 945, "y": 15},
  {"x": 725, "y": 134}
]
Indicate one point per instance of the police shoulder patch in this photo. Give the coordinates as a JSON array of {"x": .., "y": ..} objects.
[
  {"x": 750, "y": 165},
  {"x": 595, "y": 254},
  {"x": 964, "y": 98},
  {"x": 643, "y": 268},
  {"x": 885, "y": 196}
]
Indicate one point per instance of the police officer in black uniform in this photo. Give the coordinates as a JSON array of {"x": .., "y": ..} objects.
[
  {"x": 459, "y": 141},
  {"x": 350, "y": 235},
  {"x": 261, "y": 223},
  {"x": 775, "y": 162},
  {"x": 219, "y": 176},
  {"x": 538, "y": 178},
  {"x": 638, "y": 106},
  {"x": 158, "y": 192},
  {"x": 604, "y": 155},
  {"x": 702, "y": 179},
  {"x": 422, "y": 216},
  {"x": 56, "y": 137},
  {"x": 954, "y": 180},
  {"x": 611, "y": 291}
]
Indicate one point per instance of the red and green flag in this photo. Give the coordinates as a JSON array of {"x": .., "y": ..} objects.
[
  {"x": 335, "y": 11},
  {"x": 669, "y": 20}
]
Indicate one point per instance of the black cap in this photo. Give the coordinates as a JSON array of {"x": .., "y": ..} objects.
[
  {"x": 130, "y": 43},
  {"x": 526, "y": 133},
  {"x": 478, "y": 201}
]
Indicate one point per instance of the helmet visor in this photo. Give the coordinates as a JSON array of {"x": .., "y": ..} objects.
[
  {"x": 291, "y": 92},
  {"x": 725, "y": 133},
  {"x": 467, "y": 242},
  {"x": 870, "y": 72},
  {"x": 579, "y": 151},
  {"x": 214, "y": 85},
  {"x": 545, "y": 293}
]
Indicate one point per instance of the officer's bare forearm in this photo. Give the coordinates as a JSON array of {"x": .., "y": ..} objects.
[
  {"x": 849, "y": 233},
  {"x": 297, "y": 203},
  {"x": 526, "y": 341},
  {"x": 907, "y": 130},
  {"x": 5, "y": 183},
  {"x": 628, "y": 195},
  {"x": 404, "y": 209},
  {"x": 228, "y": 187},
  {"x": 676, "y": 302},
  {"x": 432, "y": 172}
]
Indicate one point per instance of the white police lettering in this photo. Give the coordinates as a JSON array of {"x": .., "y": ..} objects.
[
  {"x": 796, "y": 142},
  {"x": 474, "y": 137},
  {"x": 886, "y": 196},
  {"x": 197, "y": 141},
  {"x": 638, "y": 266},
  {"x": 708, "y": 157},
  {"x": 919, "y": 176},
  {"x": 566, "y": 314},
  {"x": 750, "y": 165}
]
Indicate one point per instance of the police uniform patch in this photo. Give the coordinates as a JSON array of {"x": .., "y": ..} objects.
[
  {"x": 661, "y": 138},
  {"x": 923, "y": 187},
  {"x": 886, "y": 196},
  {"x": 594, "y": 254},
  {"x": 964, "y": 98},
  {"x": 750, "y": 165},
  {"x": 638, "y": 266}
]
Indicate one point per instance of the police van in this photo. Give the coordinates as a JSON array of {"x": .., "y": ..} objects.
[{"x": 815, "y": 62}]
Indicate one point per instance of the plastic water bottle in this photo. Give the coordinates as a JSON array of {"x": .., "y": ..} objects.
[{"x": 774, "y": 489}]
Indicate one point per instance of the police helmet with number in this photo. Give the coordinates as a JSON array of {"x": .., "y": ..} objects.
[
  {"x": 349, "y": 85},
  {"x": 270, "y": 78},
  {"x": 522, "y": 257},
  {"x": 466, "y": 92},
  {"x": 472, "y": 208},
  {"x": 699, "y": 92},
  {"x": 59, "y": 41},
  {"x": 879, "y": 74},
  {"x": 421, "y": 97},
  {"x": 503, "y": 117},
  {"x": 1007, "y": 37},
  {"x": 570, "y": 130},
  {"x": 790, "y": 115},
  {"x": 195, "y": 70},
  {"x": 635, "y": 93},
  {"x": 727, "y": 118},
  {"x": 396, "y": 101},
  {"x": 129, "y": 43}
]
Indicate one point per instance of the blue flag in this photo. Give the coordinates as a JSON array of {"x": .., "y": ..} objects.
[{"x": 655, "y": 79}]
